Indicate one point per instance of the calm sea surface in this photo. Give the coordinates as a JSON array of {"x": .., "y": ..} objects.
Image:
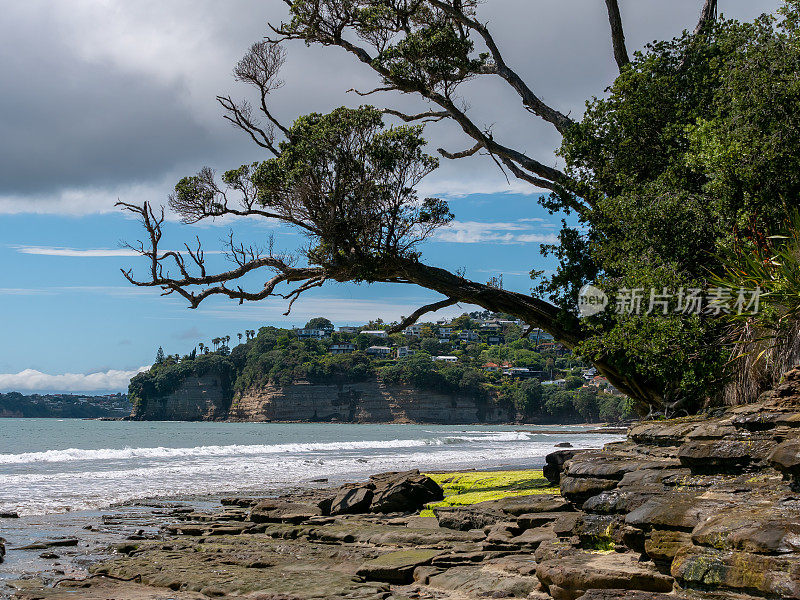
[{"x": 53, "y": 465}]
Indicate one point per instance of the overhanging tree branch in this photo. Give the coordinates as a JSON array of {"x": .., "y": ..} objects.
[
  {"x": 329, "y": 30},
  {"x": 617, "y": 34},
  {"x": 530, "y": 100},
  {"x": 417, "y": 314}
]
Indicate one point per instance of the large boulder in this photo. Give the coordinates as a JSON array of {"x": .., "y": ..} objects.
[
  {"x": 554, "y": 464},
  {"x": 403, "y": 492},
  {"x": 352, "y": 500},
  {"x": 786, "y": 459},
  {"x": 580, "y": 489}
]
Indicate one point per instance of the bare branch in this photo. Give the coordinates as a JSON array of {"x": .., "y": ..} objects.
[
  {"x": 247, "y": 261},
  {"x": 707, "y": 16},
  {"x": 240, "y": 115},
  {"x": 389, "y": 88},
  {"x": 532, "y": 102},
  {"x": 430, "y": 116},
  {"x": 331, "y": 34},
  {"x": 465, "y": 153},
  {"x": 617, "y": 34},
  {"x": 260, "y": 68},
  {"x": 415, "y": 316}
]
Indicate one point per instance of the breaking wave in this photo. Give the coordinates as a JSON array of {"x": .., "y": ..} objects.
[{"x": 114, "y": 454}]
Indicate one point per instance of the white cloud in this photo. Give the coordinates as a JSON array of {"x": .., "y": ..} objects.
[
  {"x": 181, "y": 53},
  {"x": 78, "y": 252},
  {"x": 86, "y": 252},
  {"x": 31, "y": 380},
  {"x": 25, "y": 291},
  {"x": 474, "y": 232}
]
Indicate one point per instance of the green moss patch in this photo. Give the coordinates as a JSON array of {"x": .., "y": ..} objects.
[{"x": 471, "y": 487}]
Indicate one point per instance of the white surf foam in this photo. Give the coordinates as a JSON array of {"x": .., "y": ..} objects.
[{"x": 119, "y": 454}]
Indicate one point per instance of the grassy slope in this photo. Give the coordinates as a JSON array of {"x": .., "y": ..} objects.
[{"x": 471, "y": 487}]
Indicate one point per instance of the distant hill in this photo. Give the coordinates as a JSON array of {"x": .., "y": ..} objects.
[
  {"x": 64, "y": 406},
  {"x": 465, "y": 371}
]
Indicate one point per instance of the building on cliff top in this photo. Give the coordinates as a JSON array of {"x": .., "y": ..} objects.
[{"x": 342, "y": 348}]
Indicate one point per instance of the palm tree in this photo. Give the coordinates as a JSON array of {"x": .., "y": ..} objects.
[
  {"x": 239, "y": 335},
  {"x": 216, "y": 342},
  {"x": 202, "y": 347}
]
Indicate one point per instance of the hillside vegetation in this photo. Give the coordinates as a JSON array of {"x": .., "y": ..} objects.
[{"x": 478, "y": 370}]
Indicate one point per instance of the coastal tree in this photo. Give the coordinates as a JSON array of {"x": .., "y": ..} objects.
[
  {"x": 319, "y": 323},
  {"x": 651, "y": 176}
]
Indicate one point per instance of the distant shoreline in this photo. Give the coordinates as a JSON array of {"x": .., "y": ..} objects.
[{"x": 602, "y": 428}]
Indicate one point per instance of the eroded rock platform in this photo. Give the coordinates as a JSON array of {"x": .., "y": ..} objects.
[{"x": 701, "y": 508}]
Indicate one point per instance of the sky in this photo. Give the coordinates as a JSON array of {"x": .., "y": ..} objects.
[{"x": 108, "y": 100}]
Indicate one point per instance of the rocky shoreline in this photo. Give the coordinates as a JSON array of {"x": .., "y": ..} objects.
[{"x": 702, "y": 508}]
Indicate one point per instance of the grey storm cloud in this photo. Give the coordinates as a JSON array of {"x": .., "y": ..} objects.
[{"x": 107, "y": 98}]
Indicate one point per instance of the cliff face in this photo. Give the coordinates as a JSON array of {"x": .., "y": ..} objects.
[
  {"x": 367, "y": 402},
  {"x": 197, "y": 399},
  {"x": 204, "y": 399}
]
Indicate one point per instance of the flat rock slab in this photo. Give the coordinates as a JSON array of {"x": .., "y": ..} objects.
[
  {"x": 762, "y": 530},
  {"x": 580, "y": 489},
  {"x": 723, "y": 456},
  {"x": 396, "y": 567},
  {"x": 533, "y": 503},
  {"x": 466, "y": 518},
  {"x": 772, "y": 576},
  {"x": 276, "y": 511},
  {"x": 624, "y": 595},
  {"x": 532, "y": 538},
  {"x": 422, "y": 523},
  {"x": 570, "y": 577},
  {"x": 605, "y": 465},
  {"x": 235, "y": 566},
  {"x": 484, "y": 582},
  {"x": 674, "y": 510},
  {"x": 103, "y": 589},
  {"x": 49, "y": 544},
  {"x": 531, "y": 520},
  {"x": 662, "y": 433}
]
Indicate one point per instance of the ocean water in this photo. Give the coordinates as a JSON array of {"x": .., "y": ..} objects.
[{"x": 54, "y": 466}]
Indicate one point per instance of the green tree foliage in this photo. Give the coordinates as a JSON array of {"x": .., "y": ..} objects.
[
  {"x": 692, "y": 150},
  {"x": 319, "y": 323}
]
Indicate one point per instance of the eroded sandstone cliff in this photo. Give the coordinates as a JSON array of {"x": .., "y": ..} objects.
[
  {"x": 205, "y": 398},
  {"x": 196, "y": 399}
]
